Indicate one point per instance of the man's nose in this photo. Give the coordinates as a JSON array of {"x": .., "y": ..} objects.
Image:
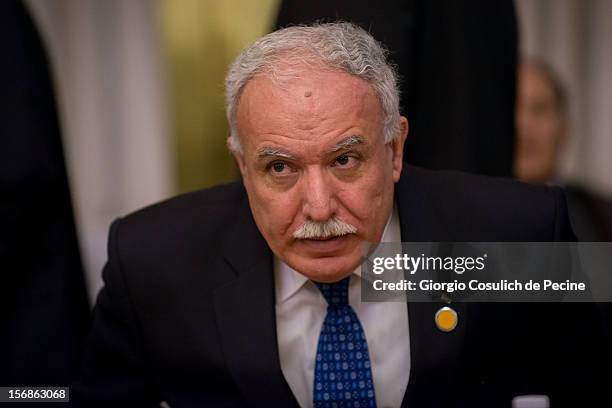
[{"x": 319, "y": 196}]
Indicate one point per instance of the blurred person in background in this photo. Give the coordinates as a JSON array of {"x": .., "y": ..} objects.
[{"x": 542, "y": 124}]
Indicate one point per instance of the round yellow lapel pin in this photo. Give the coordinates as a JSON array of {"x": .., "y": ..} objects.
[{"x": 446, "y": 319}]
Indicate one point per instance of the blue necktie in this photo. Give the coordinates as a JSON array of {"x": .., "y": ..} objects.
[{"x": 342, "y": 376}]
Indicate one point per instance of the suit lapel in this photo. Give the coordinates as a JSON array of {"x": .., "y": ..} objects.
[
  {"x": 246, "y": 317},
  {"x": 434, "y": 355}
]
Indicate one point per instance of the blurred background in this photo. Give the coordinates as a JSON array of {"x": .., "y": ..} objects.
[{"x": 138, "y": 89}]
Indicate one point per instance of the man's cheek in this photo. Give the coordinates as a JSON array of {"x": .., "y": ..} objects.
[
  {"x": 282, "y": 215},
  {"x": 362, "y": 200}
]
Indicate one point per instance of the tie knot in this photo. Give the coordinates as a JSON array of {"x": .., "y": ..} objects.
[{"x": 336, "y": 294}]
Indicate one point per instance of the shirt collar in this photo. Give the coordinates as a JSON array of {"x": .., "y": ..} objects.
[{"x": 288, "y": 281}]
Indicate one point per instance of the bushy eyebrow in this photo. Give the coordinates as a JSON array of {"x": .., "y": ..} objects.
[
  {"x": 266, "y": 152},
  {"x": 348, "y": 142},
  {"x": 275, "y": 152}
]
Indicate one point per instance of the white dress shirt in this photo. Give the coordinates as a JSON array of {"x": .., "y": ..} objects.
[{"x": 300, "y": 311}]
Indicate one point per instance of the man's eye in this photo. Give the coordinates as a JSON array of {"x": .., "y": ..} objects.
[
  {"x": 278, "y": 167},
  {"x": 345, "y": 161}
]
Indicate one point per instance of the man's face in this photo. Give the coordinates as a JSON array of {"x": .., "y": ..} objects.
[
  {"x": 313, "y": 151},
  {"x": 539, "y": 127}
]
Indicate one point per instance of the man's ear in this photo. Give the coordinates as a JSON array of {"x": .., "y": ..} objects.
[{"x": 397, "y": 147}]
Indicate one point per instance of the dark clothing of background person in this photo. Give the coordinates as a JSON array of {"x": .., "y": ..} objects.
[
  {"x": 591, "y": 219},
  {"x": 457, "y": 64},
  {"x": 590, "y": 214},
  {"x": 44, "y": 311}
]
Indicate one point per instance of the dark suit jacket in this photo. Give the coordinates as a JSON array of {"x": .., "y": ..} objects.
[{"x": 187, "y": 313}]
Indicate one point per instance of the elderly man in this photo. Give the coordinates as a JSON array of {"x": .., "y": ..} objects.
[{"x": 248, "y": 294}]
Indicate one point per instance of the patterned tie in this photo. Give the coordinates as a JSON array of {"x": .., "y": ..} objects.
[{"x": 342, "y": 376}]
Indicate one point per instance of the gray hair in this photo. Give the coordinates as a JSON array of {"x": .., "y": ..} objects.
[{"x": 342, "y": 46}]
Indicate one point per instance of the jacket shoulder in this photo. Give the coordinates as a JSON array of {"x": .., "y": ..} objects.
[
  {"x": 213, "y": 205},
  {"x": 187, "y": 223}
]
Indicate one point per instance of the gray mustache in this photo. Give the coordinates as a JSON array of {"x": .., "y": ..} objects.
[{"x": 333, "y": 227}]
